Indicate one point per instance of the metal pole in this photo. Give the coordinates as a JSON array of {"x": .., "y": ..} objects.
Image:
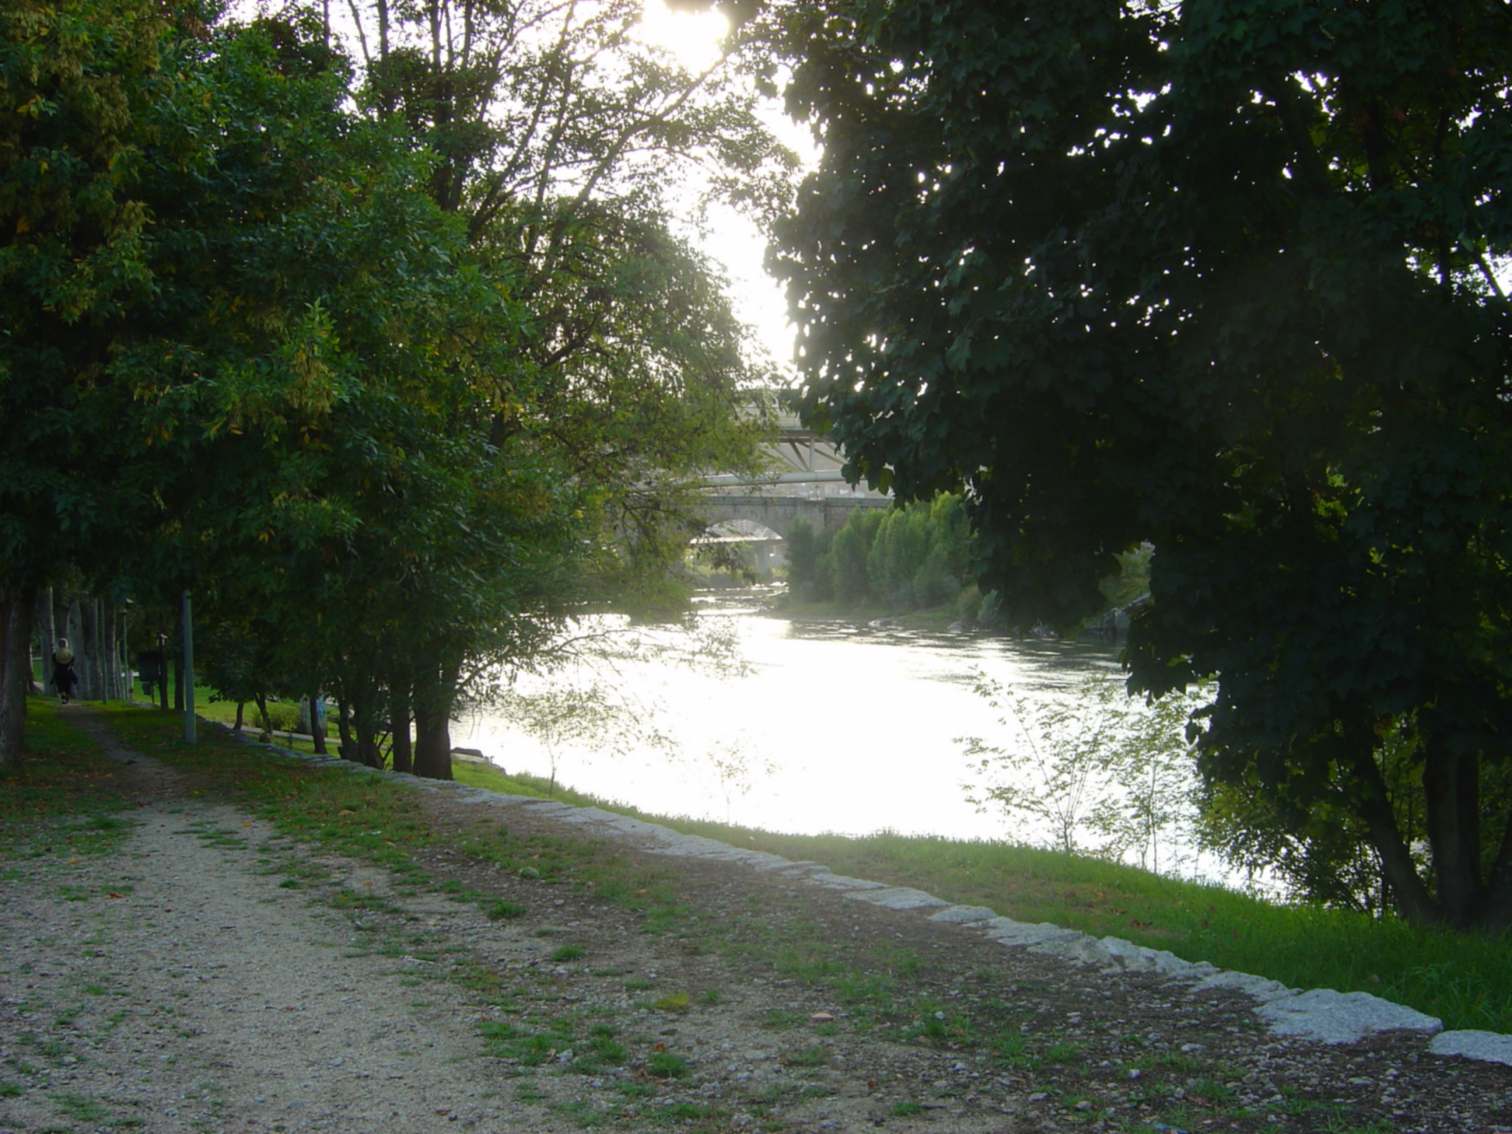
[{"x": 189, "y": 735}]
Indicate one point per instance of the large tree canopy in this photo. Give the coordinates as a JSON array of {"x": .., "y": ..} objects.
[
  {"x": 1221, "y": 275},
  {"x": 386, "y": 355}
]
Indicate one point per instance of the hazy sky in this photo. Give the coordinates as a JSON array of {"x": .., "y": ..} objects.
[{"x": 730, "y": 238}]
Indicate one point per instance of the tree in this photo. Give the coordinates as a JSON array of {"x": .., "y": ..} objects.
[
  {"x": 557, "y": 136},
  {"x": 848, "y": 553},
  {"x": 1119, "y": 775},
  {"x": 77, "y": 81},
  {"x": 805, "y": 547},
  {"x": 1221, "y": 276},
  {"x": 238, "y": 321}
]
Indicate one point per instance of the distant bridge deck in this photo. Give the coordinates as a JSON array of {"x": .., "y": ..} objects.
[{"x": 781, "y": 513}]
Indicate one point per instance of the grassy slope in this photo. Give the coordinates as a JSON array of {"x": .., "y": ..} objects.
[{"x": 1466, "y": 980}]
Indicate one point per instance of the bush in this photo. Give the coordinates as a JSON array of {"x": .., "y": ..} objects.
[
  {"x": 990, "y": 612},
  {"x": 283, "y": 716},
  {"x": 808, "y": 574},
  {"x": 934, "y": 584},
  {"x": 969, "y": 604},
  {"x": 848, "y": 554}
]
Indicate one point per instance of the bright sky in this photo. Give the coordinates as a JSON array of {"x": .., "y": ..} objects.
[{"x": 731, "y": 239}]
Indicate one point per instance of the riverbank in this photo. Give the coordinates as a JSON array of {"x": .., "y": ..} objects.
[
  {"x": 938, "y": 619},
  {"x": 1463, "y": 979},
  {"x": 409, "y": 958}
]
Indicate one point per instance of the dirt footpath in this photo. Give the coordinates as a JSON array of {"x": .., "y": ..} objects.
[{"x": 211, "y": 975}]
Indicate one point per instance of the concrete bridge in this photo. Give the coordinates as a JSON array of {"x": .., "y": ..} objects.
[
  {"x": 805, "y": 482},
  {"x": 780, "y": 513}
]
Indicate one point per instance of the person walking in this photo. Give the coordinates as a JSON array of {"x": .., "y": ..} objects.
[{"x": 64, "y": 676}]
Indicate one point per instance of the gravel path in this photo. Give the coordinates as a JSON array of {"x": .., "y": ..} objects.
[
  {"x": 176, "y": 985},
  {"x": 210, "y": 975}
]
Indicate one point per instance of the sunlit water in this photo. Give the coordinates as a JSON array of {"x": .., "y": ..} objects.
[{"x": 833, "y": 727}]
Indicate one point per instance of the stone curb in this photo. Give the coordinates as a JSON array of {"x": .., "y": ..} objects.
[{"x": 1321, "y": 1014}]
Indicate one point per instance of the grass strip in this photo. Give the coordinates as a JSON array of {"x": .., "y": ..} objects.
[
  {"x": 1465, "y": 979},
  {"x": 63, "y": 799}
]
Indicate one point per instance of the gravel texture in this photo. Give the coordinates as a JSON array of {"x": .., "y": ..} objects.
[{"x": 211, "y": 975}]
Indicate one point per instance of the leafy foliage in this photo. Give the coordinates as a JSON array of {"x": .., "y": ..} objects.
[
  {"x": 1220, "y": 277},
  {"x": 917, "y": 556},
  {"x": 1116, "y": 781},
  {"x": 397, "y": 359}
]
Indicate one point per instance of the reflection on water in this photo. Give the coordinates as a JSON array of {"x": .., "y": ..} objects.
[{"x": 833, "y": 727}]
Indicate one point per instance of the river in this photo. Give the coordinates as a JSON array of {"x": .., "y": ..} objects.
[{"x": 831, "y": 726}]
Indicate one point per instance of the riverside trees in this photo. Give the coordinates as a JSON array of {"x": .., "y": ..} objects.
[
  {"x": 78, "y": 82},
  {"x": 353, "y": 400},
  {"x": 558, "y": 136},
  {"x": 1222, "y": 276}
]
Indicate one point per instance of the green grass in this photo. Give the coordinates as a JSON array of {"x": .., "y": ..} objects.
[
  {"x": 1465, "y": 979},
  {"x": 80, "y": 1108},
  {"x": 676, "y": 1003},
  {"x": 63, "y": 800},
  {"x": 491, "y": 778},
  {"x": 665, "y": 1065}
]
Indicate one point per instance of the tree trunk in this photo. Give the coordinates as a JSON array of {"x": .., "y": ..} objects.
[
  {"x": 111, "y": 655},
  {"x": 1412, "y": 897},
  {"x": 435, "y": 689},
  {"x": 83, "y": 643},
  {"x": 240, "y": 705},
  {"x": 99, "y": 656},
  {"x": 176, "y": 650},
  {"x": 52, "y": 640},
  {"x": 432, "y": 745},
  {"x": 15, "y": 671},
  {"x": 317, "y": 725},
  {"x": 399, "y": 729},
  {"x": 365, "y": 724},
  {"x": 264, "y": 724},
  {"x": 111, "y": 690},
  {"x": 345, "y": 747},
  {"x": 1451, "y": 787}
]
